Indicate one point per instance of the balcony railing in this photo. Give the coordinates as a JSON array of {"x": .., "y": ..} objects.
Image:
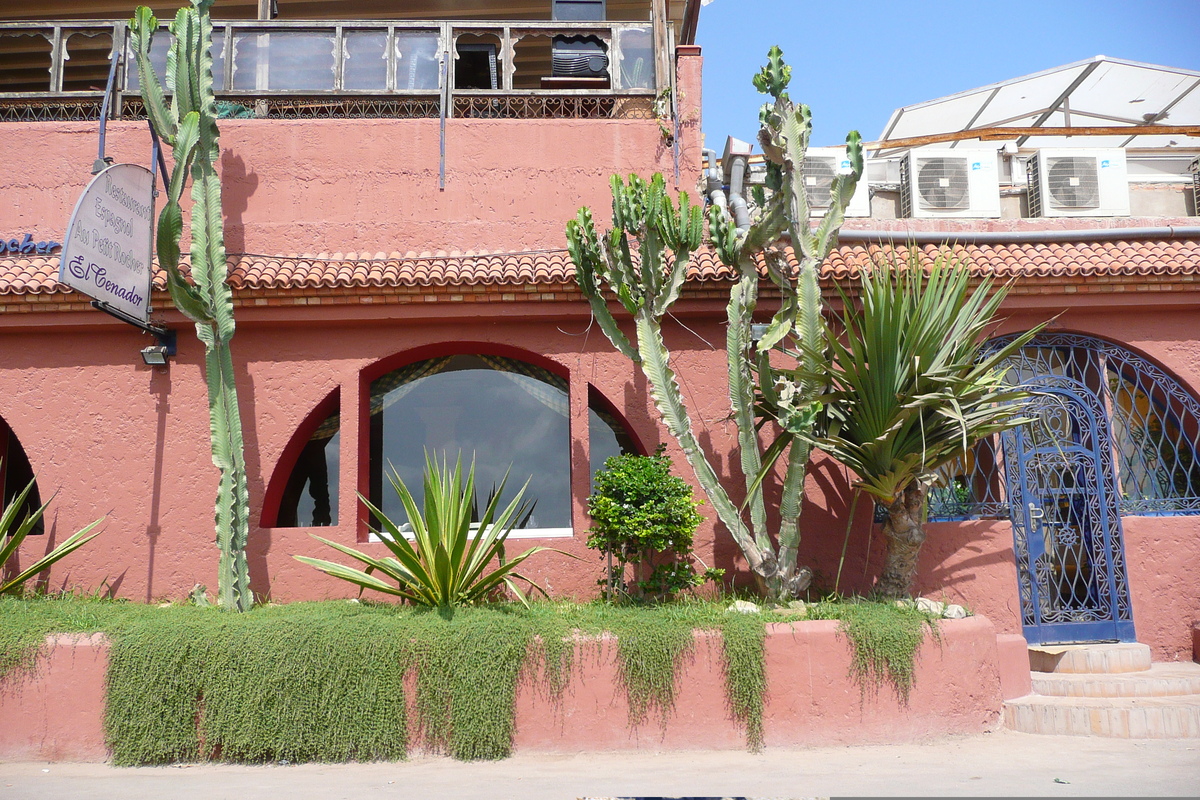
[{"x": 58, "y": 70}]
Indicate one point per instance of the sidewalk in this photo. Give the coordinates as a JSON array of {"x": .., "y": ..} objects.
[{"x": 1001, "y": 763}]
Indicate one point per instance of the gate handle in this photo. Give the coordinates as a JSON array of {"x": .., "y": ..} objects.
[{"x": 1035, "y": 511}]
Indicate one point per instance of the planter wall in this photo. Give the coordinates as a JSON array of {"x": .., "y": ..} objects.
[{"x": 55, "y": 712}]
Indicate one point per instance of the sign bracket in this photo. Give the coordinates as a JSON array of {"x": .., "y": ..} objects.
[{"x": 164, "y": 336}]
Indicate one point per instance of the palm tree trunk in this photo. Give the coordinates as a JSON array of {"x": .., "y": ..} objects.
[{"x": 904, "y": 532}]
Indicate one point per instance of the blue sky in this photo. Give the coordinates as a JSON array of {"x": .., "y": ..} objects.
[{"x": 855, "y": 62}]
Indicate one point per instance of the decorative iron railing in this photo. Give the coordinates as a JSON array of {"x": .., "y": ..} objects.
[{"x": 58, "y": 70}]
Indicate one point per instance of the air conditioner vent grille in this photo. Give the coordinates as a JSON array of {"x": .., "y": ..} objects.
[
  {"x": 1072, "y": 182},
  {"x": 818, "y": 174},
  {"x": 942, "y": 183}
]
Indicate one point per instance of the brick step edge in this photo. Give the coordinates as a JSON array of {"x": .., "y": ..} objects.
[
  {"x": 1161, "y": 680},
  {"x": 1121, "y": 717}
]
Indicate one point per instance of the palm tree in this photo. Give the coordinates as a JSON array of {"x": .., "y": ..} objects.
[{"x": 912, "y": 389}]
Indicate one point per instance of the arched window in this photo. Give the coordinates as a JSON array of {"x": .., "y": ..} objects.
[
  {"x": 310, "y": 496},
  {"x": 510, "y": 416},
  {"x": 1154, "y": 424},
  {"x": 15, "y": 474},
  {"x": 607, "y": 435}
]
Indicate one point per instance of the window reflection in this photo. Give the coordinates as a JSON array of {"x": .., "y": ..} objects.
[
  {"x": 509, "y": 415},
  {"x": 311, "y": 496}
]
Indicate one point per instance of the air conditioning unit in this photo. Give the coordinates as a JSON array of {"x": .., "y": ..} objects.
[
  {"x": 1078, "y": 182},
  {"x": 949, "y": 183},
  {"x": 821, "y": 164}
]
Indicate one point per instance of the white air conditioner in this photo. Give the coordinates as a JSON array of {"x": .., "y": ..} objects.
[
  {"x": 949, "y": 183},
  {"x": 1078, "y": 182},
  {"x": 821, "y": 164}
]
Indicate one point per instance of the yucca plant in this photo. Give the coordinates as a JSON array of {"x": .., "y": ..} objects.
[
  {"x": 912, "y": 389},
  {"x": 449, "y": 561},
  {"x": 12, "y": 534}
]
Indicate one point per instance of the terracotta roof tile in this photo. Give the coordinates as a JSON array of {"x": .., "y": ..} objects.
[{"x": 37, "y": 275}]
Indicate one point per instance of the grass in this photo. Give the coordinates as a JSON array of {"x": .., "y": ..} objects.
[{"x": 327, "y": 681}]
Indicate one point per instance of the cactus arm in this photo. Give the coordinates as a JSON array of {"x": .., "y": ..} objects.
[
  {"x": 742, "y": 300},
  {"x": 209, "y": 302},
  {"x": 664, "y": 388},
  {"x": 584, "y": 247},
  {"x": 791, "y": 500},
  {"x": 143, "y": 26}
]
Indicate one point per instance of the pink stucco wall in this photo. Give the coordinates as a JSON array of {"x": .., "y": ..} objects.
[
  {"x": 959, "y": 685},
  {"x": 120, "y": 440},
  {"x": 55, "y": 711},
  {"x": 371, "y": 185}
]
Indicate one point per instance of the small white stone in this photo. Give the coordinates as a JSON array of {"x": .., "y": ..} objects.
[
  {"x": 905, "y": 603},
  {"x": 954, "y": 611},
  {"x": 743, "y": 607},
  {"x": 930, "y": 606}
]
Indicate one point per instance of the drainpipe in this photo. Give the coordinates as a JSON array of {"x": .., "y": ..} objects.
[
  {"x": 1019, "y": 237},
  {"x": 713, "y": 186},
  {"x": 736, "y": 160}
]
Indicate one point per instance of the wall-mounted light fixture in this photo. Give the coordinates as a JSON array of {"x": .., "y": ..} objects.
[
  {"x": 758, "y": 330},
  {"x": 155, "y": 355}
]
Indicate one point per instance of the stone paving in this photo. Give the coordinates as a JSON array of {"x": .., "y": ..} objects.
[{"x": 1003, "y": 763}]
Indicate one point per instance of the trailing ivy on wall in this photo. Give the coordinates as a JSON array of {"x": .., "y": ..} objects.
[{"x": 326, "y": 681}]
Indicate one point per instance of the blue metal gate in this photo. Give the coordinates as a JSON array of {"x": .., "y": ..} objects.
[{"x": 1065, "y": 516}]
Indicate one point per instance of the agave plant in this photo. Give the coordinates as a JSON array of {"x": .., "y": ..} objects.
[
  {"x": 11, "y": 538},
  {"x": 450, "y": 558}
]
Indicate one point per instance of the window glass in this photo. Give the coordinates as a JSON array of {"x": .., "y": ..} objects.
[
  {"x": 416, "y": 60},
  {"x": 311, "y": 496},
  {"x": 637, "y": 58},
  {"x": 283, "y": 60},
  {"x": 606, "y": 436},
  {"x": 510, "y": 416},
  {"x": 15, "y": 474},
  {"x": 364, "y": 60}
]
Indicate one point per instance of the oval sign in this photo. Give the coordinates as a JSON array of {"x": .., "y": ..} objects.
[{"x": 107, "y": 249}]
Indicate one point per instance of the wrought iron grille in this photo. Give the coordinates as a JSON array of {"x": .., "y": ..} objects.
[{"x": 1154, "y": 424}]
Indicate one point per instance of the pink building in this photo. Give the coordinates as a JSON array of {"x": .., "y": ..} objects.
[{"x": 395, "y": 194}]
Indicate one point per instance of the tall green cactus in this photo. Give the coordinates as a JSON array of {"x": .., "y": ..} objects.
[
  {"x": 187, "y": 123},
  {"x": 648, "y": 285}
]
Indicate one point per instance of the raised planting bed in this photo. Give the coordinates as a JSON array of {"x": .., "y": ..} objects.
[{"x": 54, "y": 710}]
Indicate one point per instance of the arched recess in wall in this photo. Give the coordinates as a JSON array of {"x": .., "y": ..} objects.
[
  {"x": 507, "y": 410},
  {"x": 15, "y": 474},
  {"x": 1153, "y": 426},
  {"x": 303, "y": 491},
  {"x": 609, "y": 434}
]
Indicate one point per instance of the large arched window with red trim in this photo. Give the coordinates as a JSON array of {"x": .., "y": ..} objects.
[{"x": 510, "y": 417}]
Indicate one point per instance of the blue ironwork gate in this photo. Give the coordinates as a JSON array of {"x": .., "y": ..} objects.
[{"x": 1065, "y": 516}]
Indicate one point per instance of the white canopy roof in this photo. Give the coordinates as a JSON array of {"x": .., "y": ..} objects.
[{"x": 1098, "y": 92}]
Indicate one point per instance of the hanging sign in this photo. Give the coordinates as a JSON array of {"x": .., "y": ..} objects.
[{"x": 106, "y": 252}]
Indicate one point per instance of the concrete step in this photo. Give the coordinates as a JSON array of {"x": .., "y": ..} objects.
[
  {"x": 1161, "y": 680},
  {"x": 1173, "y": 717},
  {"x": 1089, "y": 658}
]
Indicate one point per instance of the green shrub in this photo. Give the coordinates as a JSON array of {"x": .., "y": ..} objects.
[{"x": 644, "y": 516}]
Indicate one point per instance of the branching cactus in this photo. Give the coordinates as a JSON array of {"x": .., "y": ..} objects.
[
  {"x": 187, "y": 123},
  {"x": 647, "y": 285}
]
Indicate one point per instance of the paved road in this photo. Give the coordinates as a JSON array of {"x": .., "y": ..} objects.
[{"x": 1001, "y": 763}]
